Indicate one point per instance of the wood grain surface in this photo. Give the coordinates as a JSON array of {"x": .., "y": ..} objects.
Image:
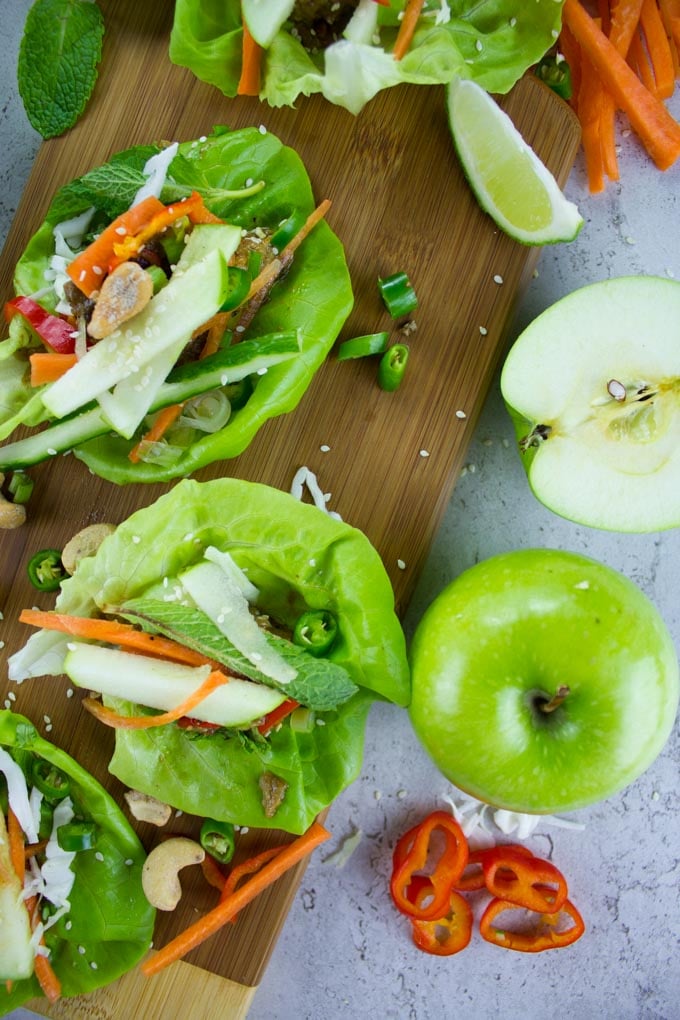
[{"x": 400, "y": 201}]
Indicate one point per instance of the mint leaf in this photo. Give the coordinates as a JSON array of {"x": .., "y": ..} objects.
[
  {"x": 320, "y": 684},
  {"x": 58, "y": 59},
  {"x": 113, "y": 186}
]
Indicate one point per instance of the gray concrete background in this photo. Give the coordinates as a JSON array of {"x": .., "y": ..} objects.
[{"x": 344, "y": 952}]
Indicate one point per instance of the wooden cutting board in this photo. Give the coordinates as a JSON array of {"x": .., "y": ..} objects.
[{"x": 389, "y": 461}]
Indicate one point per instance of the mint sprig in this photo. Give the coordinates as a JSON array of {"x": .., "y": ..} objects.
[{"x": 58, "y": 62}]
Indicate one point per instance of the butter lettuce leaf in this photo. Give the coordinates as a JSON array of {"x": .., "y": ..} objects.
[
  {"x": 110, "y": 922},
  {"x": 299, "y": 558},
  {"x": 492, "y": 42},
  {"x": 313, "y": 299}
]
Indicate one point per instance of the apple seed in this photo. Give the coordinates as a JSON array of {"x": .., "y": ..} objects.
[{"x": 616, "y": 390}]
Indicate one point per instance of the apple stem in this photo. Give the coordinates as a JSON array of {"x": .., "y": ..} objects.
[{"x": 562, "y": 692}]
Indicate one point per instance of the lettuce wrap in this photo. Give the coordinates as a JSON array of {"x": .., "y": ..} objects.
[
  {"x": 108, "y": 924},
  {"x": 300, "y": 559},
  {"x": 246, "y": 178},
  {"x": 492, "y": 42}
]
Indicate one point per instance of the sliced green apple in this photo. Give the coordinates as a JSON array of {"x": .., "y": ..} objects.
[
  {"x": 265, "y": 17},
  {"x": 593, "y": 388}
]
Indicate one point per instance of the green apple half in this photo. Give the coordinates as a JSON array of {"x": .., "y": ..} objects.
[
  {"x": 593, "y": 387},
  {"x": 542, "y": 681}
]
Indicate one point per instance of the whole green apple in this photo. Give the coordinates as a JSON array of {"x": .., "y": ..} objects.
[{"x": 542, "y": 681}]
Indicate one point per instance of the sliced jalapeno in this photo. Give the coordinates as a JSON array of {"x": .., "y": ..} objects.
[
  {"x": 392, "y": 367},
  {"x": 45, "y": 570},
  {"x": 238, "y": 285},
  {"x": 51, "y": 781},
  {"x": 76, "y": 836},
  {"x": 398, "y": 294},
  {"x": 217, "y": 839},
  {"x": 556, "y": 74},
  {"x": 315, "y": 631},
  {"x": 362, "y": 346},
  {"x": 287, "y": 230}
]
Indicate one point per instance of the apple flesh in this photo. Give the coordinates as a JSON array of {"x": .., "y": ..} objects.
[
  {"x": 542, "y": 681},
  {"x": 593, "y": 388}
]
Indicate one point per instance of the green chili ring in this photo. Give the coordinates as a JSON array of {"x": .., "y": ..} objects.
[{"x": 315, "y": 631}]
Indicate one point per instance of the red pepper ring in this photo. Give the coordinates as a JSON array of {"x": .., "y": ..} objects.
[
  {"x": 411, "y": 856},
  {"x": 537, "y": 940},
  {"x": 56, "y": 332},
  {"x": 448, "y": 934},
  {"x": 474, "y": 880},
  {"x": 525, "y": 881}
]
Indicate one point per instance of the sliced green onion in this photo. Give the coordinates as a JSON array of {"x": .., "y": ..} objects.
[
  {"x": 362, "y": 346},
  {"x": 159, "y": 452},
  {"x": 398, "y": 294},
  {"x": 76, "y": 836},
  {"x": 20, "y": 487},
  {"x": 302, "y": 720},
  {"x": 208, "y": 412},
  {"x": 392, "y": 367}
]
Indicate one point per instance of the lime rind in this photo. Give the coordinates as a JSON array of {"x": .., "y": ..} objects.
[{"x": 509, "y": 180}]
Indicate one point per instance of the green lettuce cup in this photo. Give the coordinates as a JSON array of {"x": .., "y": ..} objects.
[
  {"x": 251, "y": 181},
  {"x": 492, "y": 43},
  {"x": 108, "y": 924},
  {"x": 300, "y": 560}
]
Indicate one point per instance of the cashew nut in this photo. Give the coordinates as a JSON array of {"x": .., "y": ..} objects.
[
  {"x": 12, "y": 515},
  {"x": 160, "y": 878},
  {"x": 125, "y": 292},
  {"x": 146, "y": 808},
  {"x": 85, "y": 543}
]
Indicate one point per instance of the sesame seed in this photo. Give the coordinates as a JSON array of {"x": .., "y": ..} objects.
[
  {"x": 320, "y": 722},
  {"x": 478, "y": 46},
  {"x": 129, "y": 862},
  {"x": 244, "y": 829},
  {"x": 81, "y": 950},
  {"x": 69, "y": 692},
  {"x": 324, "y": 448},
  {"x": 47, "y": 719},
  {"x": 93, "y": 965},
  {"x": 97, "y": 270},
  {"x": 121, "y": 231},
  {"x": 52, "y": 452},
  {"x": 99, "y": 855},
  {"x": 48, "y": 728},
  {"x": 401, "y": 564},
  {"x": 461, "y": 414},
  {"x": 483, "y": 330},
  {"x": 12, "y": 696},
  {"x": 262, "y": 129},
  {"x": 8, "y": 704},
  {"x": 424, "y": 453},
  {"x": 249, "y": 182},
  {"x": 498, "y": 279}
]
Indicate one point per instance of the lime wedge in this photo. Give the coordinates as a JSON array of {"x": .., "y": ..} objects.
[{"x": 509, "y": 180}]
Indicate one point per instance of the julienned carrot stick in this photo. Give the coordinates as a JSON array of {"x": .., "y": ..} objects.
[
  {"x": 670, "y": 9},
  {"x": 87, "y": 269},
  {"x": 638, "y": 59},
  {"x": 115, "y": 633},
  {"x": 657, "y": 130},
  {"x": 161, "y": 424},
  {"x": 306, "y": 228},
  {"x": 248, "y": 867},
  {"x": 216, "y": 918},
  {"x": 15, "y": 839},
  {"x": 146, "y": 722},
  {"x": 48, "y": 980},
  {"x": 249, "y": 82},
  {"x": 658, "y": 48},
  {"x": 407, "y": 28},
  {"x": 625, "y": 18},
  {"x": 47, "y": 366},
  {"x": 591, "y": 108}
]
